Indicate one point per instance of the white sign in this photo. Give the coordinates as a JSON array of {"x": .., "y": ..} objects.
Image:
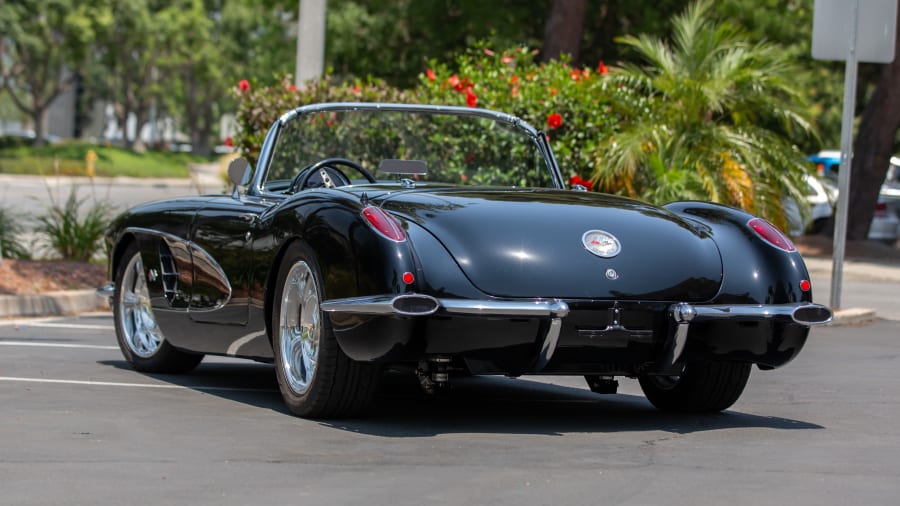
[{"x": 833, "y": 30}]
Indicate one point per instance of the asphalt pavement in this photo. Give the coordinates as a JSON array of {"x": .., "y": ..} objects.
[{"x": 79, "y": 427}]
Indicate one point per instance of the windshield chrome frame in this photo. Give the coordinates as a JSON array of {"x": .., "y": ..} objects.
[{"x": 271, "y": 140}]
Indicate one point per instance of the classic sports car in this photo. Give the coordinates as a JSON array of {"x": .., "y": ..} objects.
[{"x": 442, "y": 241}]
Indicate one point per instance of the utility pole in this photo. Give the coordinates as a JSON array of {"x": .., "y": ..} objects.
[{"x": 310, "y": 41}]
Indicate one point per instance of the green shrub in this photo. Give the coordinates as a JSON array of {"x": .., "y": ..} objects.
[
  {"x": 71, "y": 233},
  {"x": 10, "y": 233}
]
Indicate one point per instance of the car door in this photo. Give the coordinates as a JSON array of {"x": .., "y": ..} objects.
[{"x": 222, "y": 234}]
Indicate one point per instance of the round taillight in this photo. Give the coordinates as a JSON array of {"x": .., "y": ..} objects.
[
  {"x": 383, "y": 223},
  {"x": 771, "y": 234},
  {"x": 805, "y": 285},
  {"x": 408, "y": 278}
]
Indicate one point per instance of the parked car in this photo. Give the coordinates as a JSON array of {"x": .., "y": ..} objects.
[
  {"x": 441, "y": 241},
  {"x": 885, "y": 225},
  {"x": 821, "y": 198}
]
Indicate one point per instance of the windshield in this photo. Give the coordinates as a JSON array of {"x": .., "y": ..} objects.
[{"x": 424, "y": 147}]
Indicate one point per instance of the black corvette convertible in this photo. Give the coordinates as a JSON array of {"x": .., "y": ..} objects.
[{"x": 443, "y": 241}]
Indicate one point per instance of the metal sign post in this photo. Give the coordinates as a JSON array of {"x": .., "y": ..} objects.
[
  {"x": 840, "y": 220},
  {"x": 854, "y": 31}
]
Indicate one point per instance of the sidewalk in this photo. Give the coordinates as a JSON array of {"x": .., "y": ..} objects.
[{"x": 869, "y": 270}]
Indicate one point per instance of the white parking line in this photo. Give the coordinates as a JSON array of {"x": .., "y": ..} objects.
[
  {"x": 68, "y": 326},
  {"x": 58, "y": 345},
  {"x": 51, "y": 322},
  {"x": 133, "y": 385}
]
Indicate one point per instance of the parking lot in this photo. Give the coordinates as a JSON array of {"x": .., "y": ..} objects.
[{"x": 79, "y": 427}]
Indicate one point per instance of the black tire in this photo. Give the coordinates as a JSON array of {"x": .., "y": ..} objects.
[
  {"x": 703, "y": 387},
  {"x": 333, "y": 385},
  {"x": 141, "y": 341}
]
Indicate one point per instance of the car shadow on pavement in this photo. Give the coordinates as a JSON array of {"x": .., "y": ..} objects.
[{"x": 484, "y": 404}]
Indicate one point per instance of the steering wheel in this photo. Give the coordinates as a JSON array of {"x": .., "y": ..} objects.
[{"x": 327, "y": 165}]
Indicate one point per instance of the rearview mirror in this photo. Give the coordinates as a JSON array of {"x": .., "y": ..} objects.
[{"x": 238, "y": 173}]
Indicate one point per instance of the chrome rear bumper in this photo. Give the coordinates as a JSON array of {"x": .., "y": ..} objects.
[
  {"x": 422, "y": 305},
  {"x": 682, "y": 314},
  {"x": 803, "y": 313}
]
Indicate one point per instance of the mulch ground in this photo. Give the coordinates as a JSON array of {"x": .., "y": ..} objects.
[{"x": 22, "y": 277}]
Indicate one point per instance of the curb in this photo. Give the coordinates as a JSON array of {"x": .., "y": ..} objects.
[
  {"x": 852, "y": 316},
  {"x": 50, "y": 303}
]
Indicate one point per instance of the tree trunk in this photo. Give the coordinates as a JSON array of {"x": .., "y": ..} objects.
[
  {"x": 873, "y": 147},
  {"x": 37, "y": 117},
  {"x": 564, "y": 29},
  {"x": 200, "y": 132},
  {"x": 138, "y": 143}
]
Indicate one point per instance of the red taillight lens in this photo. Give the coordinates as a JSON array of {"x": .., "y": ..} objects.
[
  {"x": 383, "y": 223},
  {"x": 771, "y": 235},
  {"x": 881, "y": 210}
]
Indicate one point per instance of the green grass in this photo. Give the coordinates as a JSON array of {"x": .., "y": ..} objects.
[{"x": 69, "y": 159}]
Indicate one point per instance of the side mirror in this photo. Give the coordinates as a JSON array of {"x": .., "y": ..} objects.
[{"x": 239, "y": 174}]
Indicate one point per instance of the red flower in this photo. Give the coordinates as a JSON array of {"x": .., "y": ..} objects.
[
  {"x": 506, "y": 59},
  {"x": 575, "y": 74},
  {"x": 576, "y": 179},
  {"x": 430, "y": 75},
  {"x": 356, "y": 90},
  {"x": 602, "y": 68},
  {"x": 229, "y": 142},
  {"x": 471, "y": 98},
  {"x": 514, "y": 79},
  {"x": 454, "y": 82},
  {"x": 515, "y": 91},
  {"x": 554, "y": 120},
  {"x": 488, "y": 52},
  {"x": 244, "y": 85}
]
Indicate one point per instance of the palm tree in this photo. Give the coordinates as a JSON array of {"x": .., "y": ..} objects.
[{"x": 709, "y": 116}]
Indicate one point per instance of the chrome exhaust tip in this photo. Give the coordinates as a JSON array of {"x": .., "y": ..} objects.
[
  {"x": 415, "y": 305},
  {"x": 812, "y": 314}
]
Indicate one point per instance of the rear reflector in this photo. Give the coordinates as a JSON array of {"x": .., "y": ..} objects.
[
  {"x": 771, "y": 235},
  {"x": 881, "y": 210},
  {"x": 383, "y": 223}
]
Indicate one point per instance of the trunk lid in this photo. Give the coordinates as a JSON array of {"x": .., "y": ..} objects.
[{"x": 529, "y": 243}]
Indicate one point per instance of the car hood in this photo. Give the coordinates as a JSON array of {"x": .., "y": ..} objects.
[{"x": 529, "y": 243}]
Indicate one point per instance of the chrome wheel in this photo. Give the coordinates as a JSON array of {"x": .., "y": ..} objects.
[
  {"x": 139, "y": 330},
  {"x": 299, "y": 327}
]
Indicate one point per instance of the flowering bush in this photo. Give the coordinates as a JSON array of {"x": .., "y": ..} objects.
[
  {"x": 259, "y": 107},
  {"x": 572, "y": 105}
]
